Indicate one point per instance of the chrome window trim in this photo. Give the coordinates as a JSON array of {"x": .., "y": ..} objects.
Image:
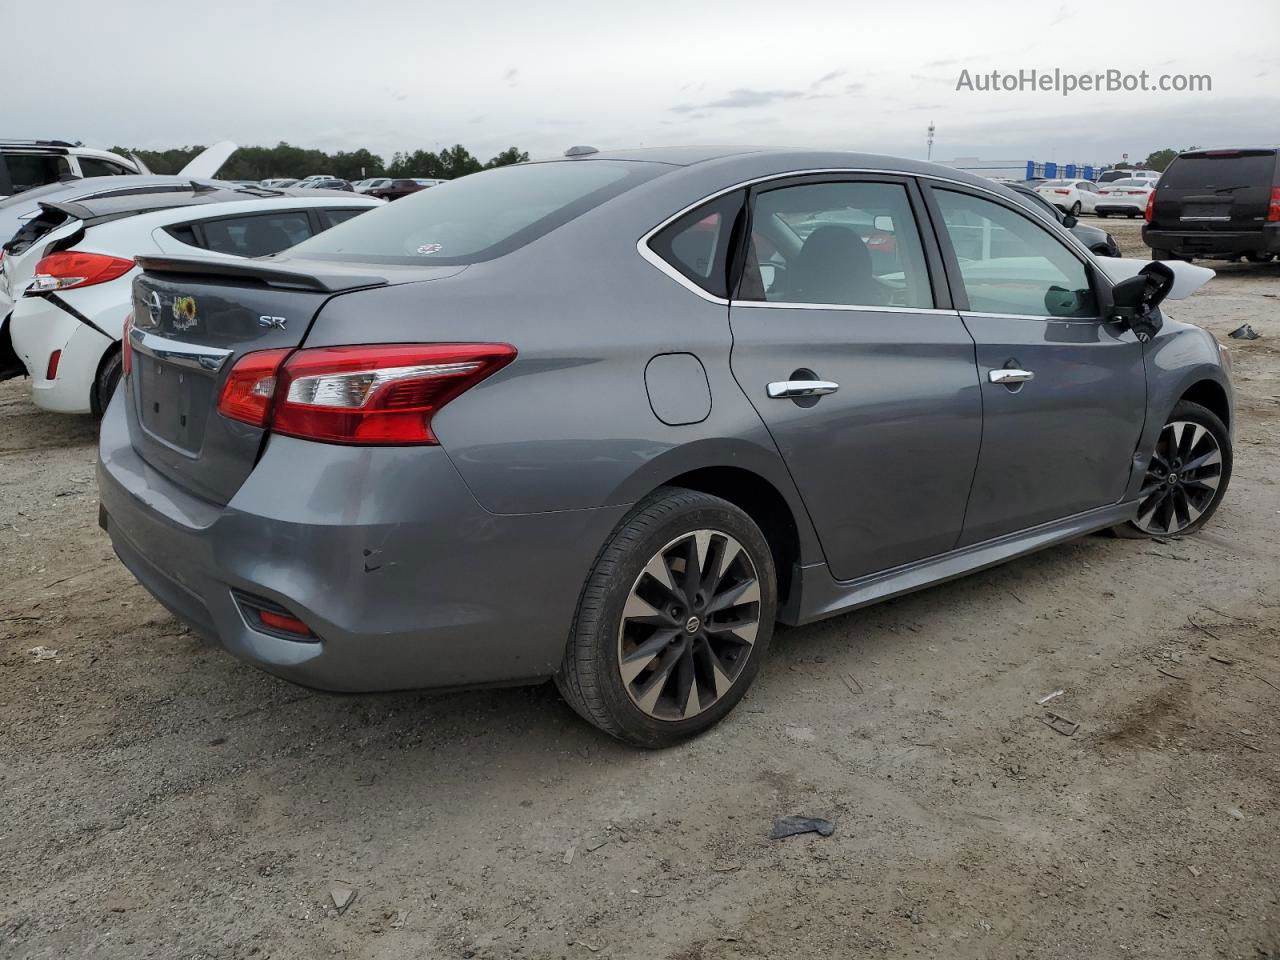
[
  {"x": 642, "y": 245},
  {"x": 1028, "y": 316},
  {"x": 859, "y": 308}
]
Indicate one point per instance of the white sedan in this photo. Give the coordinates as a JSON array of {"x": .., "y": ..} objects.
[
  {"x": 1128, "y": 197},
  {"x": 1070, "y": 196},
  {"x": 70, "y": 271}
]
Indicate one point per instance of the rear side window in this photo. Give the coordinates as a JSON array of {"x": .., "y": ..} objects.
[
  {"x": 331, "y": 218},
  {"x": 27, "y": 170},
  {"x": 256, "y": 236},
  {"x": 93, "y": 167},
  {"x": 1221, "y": 172},
  {"x": 481, "y": 216},
  {"x": 842, "y": 243},
  {"x": 697, "y": 245}
]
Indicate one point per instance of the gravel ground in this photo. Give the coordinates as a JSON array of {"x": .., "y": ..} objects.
[{"x": 161, "y": 799}]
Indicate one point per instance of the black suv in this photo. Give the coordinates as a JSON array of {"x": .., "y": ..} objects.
[{"x": 1217, "y": 205}]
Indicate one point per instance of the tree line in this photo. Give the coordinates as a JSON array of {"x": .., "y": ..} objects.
[{"x": 286, "y": 160}]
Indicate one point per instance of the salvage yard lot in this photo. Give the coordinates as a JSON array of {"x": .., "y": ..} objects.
[{"x": 162, "y": 799}]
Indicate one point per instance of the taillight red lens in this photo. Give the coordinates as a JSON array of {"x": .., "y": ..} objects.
[
  {"x": 246, "y": 396},
  {"x": 1151, "y": 206},
  {"x": 378, "y": 394},
  {"x": 51, "y": 371},
  {"x": 126, "y": 349},
  {"x": 70, "y": 269},
  {"x": 282, "y": 621},
  {"x": 1273, "y": 211},
  {"x": 1065, "y": 193}
]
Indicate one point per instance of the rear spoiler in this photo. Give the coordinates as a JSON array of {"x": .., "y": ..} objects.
[{"x": 270, "y": 274}]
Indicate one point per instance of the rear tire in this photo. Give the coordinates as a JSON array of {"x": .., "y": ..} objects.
[
  {"x": 105, "y": 384},
  {"x": 1101, "y": 215},
  {"x": 1075, "y": 210},
  {"x": 1194, "y": 447},
  {"x": 658, "y": 654},
  {"x": 1262, "y": 256}
]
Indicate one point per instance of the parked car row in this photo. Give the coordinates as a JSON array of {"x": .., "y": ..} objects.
[{"x": 71, "y": 256}]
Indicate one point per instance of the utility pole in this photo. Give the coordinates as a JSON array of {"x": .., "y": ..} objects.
[{"x": 929, "y": 155}]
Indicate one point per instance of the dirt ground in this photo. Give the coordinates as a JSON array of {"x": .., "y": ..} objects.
[{"x": 160, "y": 799}]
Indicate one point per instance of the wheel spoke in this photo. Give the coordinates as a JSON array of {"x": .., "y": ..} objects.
[
  {"x": 643, "y": 656},
  {"x": 1148, "y": 510},
  {"x": 735, "y": 596},
  {"x": 1208, "y": 459},
  {"x": 648, "y": 697},
  {"x": 657, "y": 568},
  {"x": 640, "y": 610}
]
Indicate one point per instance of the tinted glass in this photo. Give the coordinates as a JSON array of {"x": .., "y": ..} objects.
[
  {"x": 481, "y": 216},
  {"x": 697, "y": 244},
  {"x": 93, "y": 167},
  {"x": 1218, "y": 173},
  {"x": 257, "y": 236},
  {"x": 331, "y": 218},
  {"x": 852, "y": 244},
  {"x": 27, "y": 170},
  {"x": 1010, "y": 264}
]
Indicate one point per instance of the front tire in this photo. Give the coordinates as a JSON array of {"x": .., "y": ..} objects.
[
  {"x": 674, "y": 620},
  {"x": 1188, "y": 475},
  {"x": 1075, "y": 210}
]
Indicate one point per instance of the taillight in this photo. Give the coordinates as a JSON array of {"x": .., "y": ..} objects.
[
  {"x": 71, "y": 269},
  {"x": 1273, "y": 211},
  {"x": 51, "y": 371},
  {"x": 378, "y": 394},
  {"x": 384, "y": 394},
  {"x": 126, "y": 348},
  {"x": 1063, "y": 192},
  {"x": 250, "y": 386},
  {"x": 1151, "y": 206}
]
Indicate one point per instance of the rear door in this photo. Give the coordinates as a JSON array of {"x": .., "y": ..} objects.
[
  {"x": 1211, "y": 191},
  {"x": 845, "y": 342},
  {"x": 1063, "y": 392}
]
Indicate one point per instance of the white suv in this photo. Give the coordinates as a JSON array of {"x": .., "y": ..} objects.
[{"x": 33, "y": 163}]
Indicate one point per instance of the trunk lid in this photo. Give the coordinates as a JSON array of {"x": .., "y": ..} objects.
[
  {"x": 1216, "y": 190},
  {"x": 193, "y": 319}
]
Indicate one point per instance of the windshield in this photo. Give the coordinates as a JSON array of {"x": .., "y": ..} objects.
[{"x": 478, "y": 217}]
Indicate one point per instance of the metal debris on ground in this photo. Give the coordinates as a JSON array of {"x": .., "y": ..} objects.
[
  {"x": 1226, "y": 661},
  {"x": 791, "y": 826},
  {"x": 852, "y": 683},
  {"x": 568, "y": 855},
  {"x": 1244, "y": 332},
  {"x": 342, "y": 898},
  {"x": 43, "y": 653},
  {"x": 1060, "y": 724},
  {"x": 1051, "y": 696}
]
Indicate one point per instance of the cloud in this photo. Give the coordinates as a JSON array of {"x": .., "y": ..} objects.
[
  {"x": 740, "y": 99},
  {"x": 1062, "y": 16},
  {"x": 854, "y": 87},
  {"x": 826, "y": 78},
  {"x": 510, "y": 76}
]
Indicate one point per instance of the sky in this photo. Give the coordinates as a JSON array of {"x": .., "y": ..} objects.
[{"x": 868, "y": 76}]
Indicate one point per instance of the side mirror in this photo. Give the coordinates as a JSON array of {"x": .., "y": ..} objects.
[
  {"x": 1069, "y": 221},
  {"x": 1134, "y": 301},
  {"x": 883, "y": 224}
]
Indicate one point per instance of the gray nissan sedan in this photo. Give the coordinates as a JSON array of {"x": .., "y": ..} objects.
[{"x": 605, "y": 419}]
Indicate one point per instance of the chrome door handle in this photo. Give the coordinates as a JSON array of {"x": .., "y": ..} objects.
[
  {"x": 791, "y": 389},
  {"x": 1007, "y": 376}
]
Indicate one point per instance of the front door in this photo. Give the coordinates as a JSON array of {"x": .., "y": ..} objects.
[
  {"x": 1063, "y": 391},
  {"x": 844, "y": 340}
]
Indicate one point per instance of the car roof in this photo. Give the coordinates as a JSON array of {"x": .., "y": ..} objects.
[{"x": 96, "y": 186}]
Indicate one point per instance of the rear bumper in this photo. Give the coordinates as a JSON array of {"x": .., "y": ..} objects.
[
  {"x": 1118, "y": 206},
  {"x": 405, "y": 579},
  {"x": 1214, "y": 243},
  {"x": 37, "y": 328}
]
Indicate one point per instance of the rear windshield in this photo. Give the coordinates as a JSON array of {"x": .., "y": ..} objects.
[
  {"x": 478, "y": 217},
  {"x": 1220, "y": 173},
  {"x": 1055, "y": 183},
  {"x": 1130, "y": 183}
]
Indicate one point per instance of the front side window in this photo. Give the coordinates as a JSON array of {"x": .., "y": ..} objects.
[
  {"x": 257, "y": 236},
  {"x": 27, "y": 170},
  {"x": 842, "y": 243},
  {"x": 480, "y": 216},
  {"x": 1012, "y": 265}
]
